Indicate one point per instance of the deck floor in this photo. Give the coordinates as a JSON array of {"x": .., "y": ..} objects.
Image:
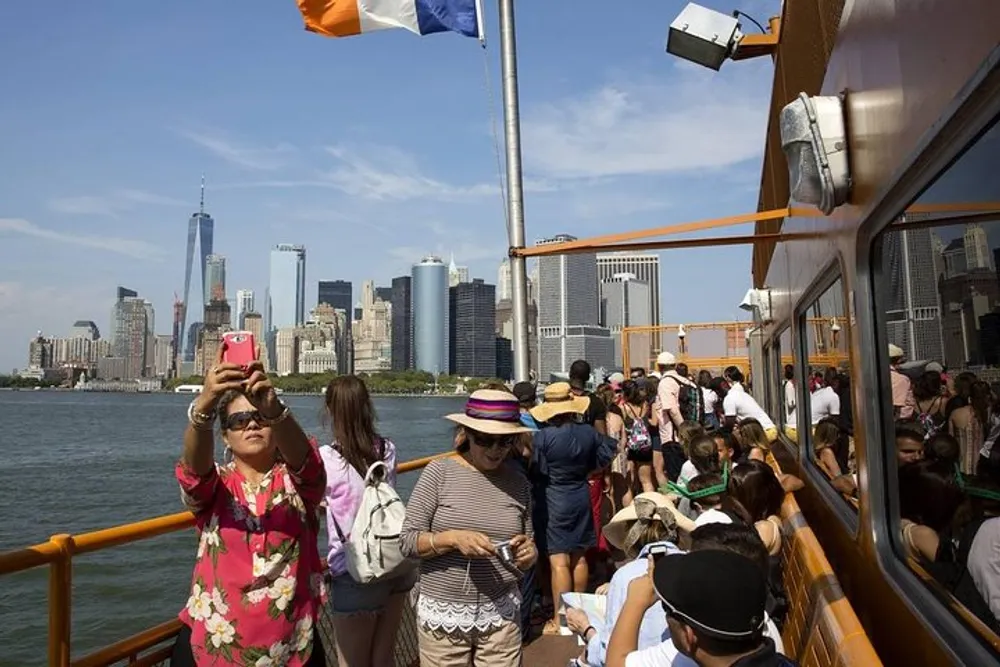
[{"x": 551, "y": 651}]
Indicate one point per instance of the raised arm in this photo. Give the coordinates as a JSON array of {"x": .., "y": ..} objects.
[{"x": 199, "y": 441}]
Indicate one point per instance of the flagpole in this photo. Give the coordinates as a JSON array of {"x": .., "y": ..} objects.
[{"x": 515, "y": 193}]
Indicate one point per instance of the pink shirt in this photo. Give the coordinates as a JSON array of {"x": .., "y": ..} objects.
[
  {"x": 902, "y": 394},
  {"x": 258, "y": 580},
  {"x": 344, "y": 488},
  {"x": 667, "y": 398}
]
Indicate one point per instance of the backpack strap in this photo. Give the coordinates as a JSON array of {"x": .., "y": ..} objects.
[{"x": 377, "y": 472}]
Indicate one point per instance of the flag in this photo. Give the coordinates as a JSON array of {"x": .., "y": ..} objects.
[{"x": 343, "y": 18}]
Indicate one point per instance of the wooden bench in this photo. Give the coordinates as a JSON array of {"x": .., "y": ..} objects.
[{"x": 821, "y": 627}]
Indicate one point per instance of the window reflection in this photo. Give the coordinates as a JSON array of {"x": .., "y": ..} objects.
[
  {"x": 828, "y": 391},
  {"x": 785, "y": 373},
  {"x": 939, "y": 291}
]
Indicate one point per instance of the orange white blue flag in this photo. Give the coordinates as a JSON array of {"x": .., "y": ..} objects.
[{"x": 343, "y": 18}]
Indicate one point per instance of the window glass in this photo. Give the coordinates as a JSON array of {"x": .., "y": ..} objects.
[
  {"x": 785, "y": 409},
  {"x": 937, "y": 289},
  {"x": 826, "y": 409}
]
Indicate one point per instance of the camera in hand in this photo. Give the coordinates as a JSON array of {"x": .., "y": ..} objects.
[
  {"x": 505, "y": 553},
  {"x": 658, "y": 551}
]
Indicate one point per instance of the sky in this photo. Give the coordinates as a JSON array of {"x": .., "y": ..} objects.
[{"x": 371, "y": 151}]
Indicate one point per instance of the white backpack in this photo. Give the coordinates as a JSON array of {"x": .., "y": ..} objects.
[{"x": 374, "y": 550}]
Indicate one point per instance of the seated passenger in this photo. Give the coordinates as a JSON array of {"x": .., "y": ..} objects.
[
  {"x": 258, "y": 586},
  {"x": 646, "y": 524},
  {"x": 725, "y": 590}
]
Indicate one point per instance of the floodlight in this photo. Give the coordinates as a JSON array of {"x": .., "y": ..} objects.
[
  {"x": 814, "y": 140},
  {"x": 703, "y": 36}
]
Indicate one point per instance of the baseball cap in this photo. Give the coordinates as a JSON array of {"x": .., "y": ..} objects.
[
  {"x": 666, "y": 359},
  {"x": 526, "y": 392},
  {"x": 719, "y": 593}
]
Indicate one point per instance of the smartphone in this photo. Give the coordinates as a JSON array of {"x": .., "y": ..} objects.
[
  {"x": 657, "y": 552},
  {"x": 239, "y": 347}
]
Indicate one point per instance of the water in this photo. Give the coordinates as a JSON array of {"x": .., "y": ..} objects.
[{"x": 74, "y": 462}]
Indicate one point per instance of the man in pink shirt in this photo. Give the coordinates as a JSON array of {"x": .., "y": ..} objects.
[{"x": 902, "y": 391}]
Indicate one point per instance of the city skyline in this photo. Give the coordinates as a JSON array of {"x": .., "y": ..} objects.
[{"x": 105, "y": 159}]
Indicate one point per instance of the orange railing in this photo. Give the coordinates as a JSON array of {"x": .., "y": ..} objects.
[{"x": 58, "y": 554}]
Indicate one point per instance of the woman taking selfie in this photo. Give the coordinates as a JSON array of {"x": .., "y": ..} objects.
[
  {"x": 469, "y": 521},
  {"x": 258, "y": 581}
]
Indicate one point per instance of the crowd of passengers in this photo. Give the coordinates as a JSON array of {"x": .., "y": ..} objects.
[
  {"x": 948, "y": 469},
  {"x": 688, "y": 555}
]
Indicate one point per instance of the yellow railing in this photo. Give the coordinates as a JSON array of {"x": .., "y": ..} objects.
[{"x": 58, "y": 554}]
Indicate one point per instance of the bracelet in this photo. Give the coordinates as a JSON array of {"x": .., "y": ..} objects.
[
  {"x": 282, "y": 416},
  {"x": 199, "y": 420},
  {"x": 434, "y": 546},
  {"x": 589, "y": 628}
]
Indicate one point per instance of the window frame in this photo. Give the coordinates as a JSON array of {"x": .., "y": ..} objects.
[
  {"x": 846, "y": 512},
  {"x": 973, "y": 111},
  {"x": 792, "y": 448}
]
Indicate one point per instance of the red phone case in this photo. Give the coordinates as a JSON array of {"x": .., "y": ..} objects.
[{"x": 240, "y": 348}]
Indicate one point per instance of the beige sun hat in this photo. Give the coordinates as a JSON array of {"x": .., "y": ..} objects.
[
  {"x": 895, "y": 351},
  {"x": 491, "y": 411},
  {"x": 559, "y": 400},
  {"x": 628, "y": 524}
]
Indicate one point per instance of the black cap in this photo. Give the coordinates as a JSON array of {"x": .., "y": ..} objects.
[
  {"x": 526, "y": 392},
  {"x": 719, "y": 593}
]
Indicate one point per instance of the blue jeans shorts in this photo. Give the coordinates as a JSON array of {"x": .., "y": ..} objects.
[{"x": 349, "y": 597}]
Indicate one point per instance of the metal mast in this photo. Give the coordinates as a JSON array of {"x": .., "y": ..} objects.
[{"x": 515, "y": 193}]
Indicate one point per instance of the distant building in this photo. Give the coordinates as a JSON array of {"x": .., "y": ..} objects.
[
  {"x": 215, "y": 281},
  {"x": 625, "y": 303},
  {"x": 430, "y": 316},
  {"x": 244, "y": 304},
  {"x": 505, "y": 359},
  {"x": 402, "y": 320},
  {"x": 337, "y": 293},
  {"x": 472, "y": 316},
  {"x": 286, "y": 292}
]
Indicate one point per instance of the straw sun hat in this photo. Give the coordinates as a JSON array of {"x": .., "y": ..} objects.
[
  {"x": 629, "y": 524},
  {"x": 491, "y": 411},
  {"x": 559, "y": 400}
]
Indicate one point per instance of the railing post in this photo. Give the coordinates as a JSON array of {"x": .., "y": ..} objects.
[{"x": 60, "y": 601}]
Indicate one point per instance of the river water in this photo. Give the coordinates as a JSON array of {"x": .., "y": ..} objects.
[{"x": 72, "y": 462}]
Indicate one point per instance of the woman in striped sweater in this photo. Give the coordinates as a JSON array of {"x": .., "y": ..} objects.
[{"x": 469, "y": 521}]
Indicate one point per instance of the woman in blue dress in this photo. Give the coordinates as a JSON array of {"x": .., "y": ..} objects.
[{"x": 564, "y": 454}]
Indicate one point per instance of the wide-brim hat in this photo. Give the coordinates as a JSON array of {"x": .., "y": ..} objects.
[
  {"x": 491, "y": 411},
  {"x": 652, "y": 506},
  {"x": 559, "y": 400}
]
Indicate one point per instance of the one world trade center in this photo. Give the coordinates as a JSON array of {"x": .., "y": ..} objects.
[{"x": 200, "y": 226}]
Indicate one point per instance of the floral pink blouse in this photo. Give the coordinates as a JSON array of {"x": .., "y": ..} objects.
[{"x": 258, "y": 578}]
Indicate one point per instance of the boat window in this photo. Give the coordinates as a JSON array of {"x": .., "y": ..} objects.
[
  {"x": 784, "y": 405},
  {"x": 937, "y": 292},
  {"x": 824, "y": 393}
]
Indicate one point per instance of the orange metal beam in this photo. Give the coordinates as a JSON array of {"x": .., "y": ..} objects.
[
  {"x": 754, "y": 46},
  {"x": 711, "y": 242},
  {"x": 130, "y": 647}
]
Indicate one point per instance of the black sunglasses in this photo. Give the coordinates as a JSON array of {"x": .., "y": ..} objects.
[
  {"x": 238, "y": 421},
  {"x": 493, "y": 441}
]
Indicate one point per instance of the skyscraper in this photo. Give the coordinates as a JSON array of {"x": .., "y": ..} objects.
[
  {"x": 473, "y": 341},
  {"x": 913, "y": 316},
  {"x": 569, "y": 313},
  {"x": 505, "y": 291},
  {"x": 244, "y": 304},
  {"x": 215, "y": 278},
  {"x": 402, "y": 321},
  {"x": 430, "y": 315},
  {"x": 644, "y": 267},
  {"x": 286, "y": 291},
  {"x": 132, "y": 321},
  {"x": 201, "y": 226},
  {"x": 457, "y": 274},
  {"x": 625, "y": 303},
  {"x": 337, "y": 293}
]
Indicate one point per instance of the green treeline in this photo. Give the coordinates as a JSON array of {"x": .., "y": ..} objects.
[{"x": 389, "y": 382}]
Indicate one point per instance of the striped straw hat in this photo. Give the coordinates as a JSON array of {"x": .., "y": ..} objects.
[{"x": 491, "y": 411}]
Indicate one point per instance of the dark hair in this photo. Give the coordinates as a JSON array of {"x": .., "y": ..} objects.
[
  {"x": 827, "y": 432},
  {"x": 734, "y": 374},
  {"x": 579, "y": 370},
  {"x": 943, "y": 447},
  {"x": 757, "y": 489},
  {"x": 704, "y": 377},
  {"x": 681, "y": 369},
  {"x": 738, "y": 538},
  {"x": 724, "y": 499},
  {"x": 927, "y": 386},
  {"x": 634, "y": 392},
  {"x": 789, "y": 372},
  {"x": 703, "y": 452},
  {"x": 980, "y": 397},
  {"x": 928, "y": 493},
  {"x": 637, "y": 369},
  {"x": 729, "y": 441},
  {"x": 830, "y": 376},
  {"x": 350, "y": 408},
  {"x": 963, "y": 383},
  {"x": 910, "y": 429}
]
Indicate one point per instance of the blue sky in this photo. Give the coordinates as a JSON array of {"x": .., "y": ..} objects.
[{"x": 371, "y": 151}]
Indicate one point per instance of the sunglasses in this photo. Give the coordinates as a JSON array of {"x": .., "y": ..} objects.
[
  {"x": 493, "y": 441},
  {"x": 238, "y": 421}
]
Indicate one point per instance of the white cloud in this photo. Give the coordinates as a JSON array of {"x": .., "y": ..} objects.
[
  {"x": 128, "y": 247},
  {"x": 387, "y": 173},
  {"x": 111, "y": 205},
  {"x": 690, "y": 120},
  {"x": 248, "y": 157}
]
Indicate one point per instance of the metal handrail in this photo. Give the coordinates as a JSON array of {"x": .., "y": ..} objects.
[{"x": 58, "y": 555}]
